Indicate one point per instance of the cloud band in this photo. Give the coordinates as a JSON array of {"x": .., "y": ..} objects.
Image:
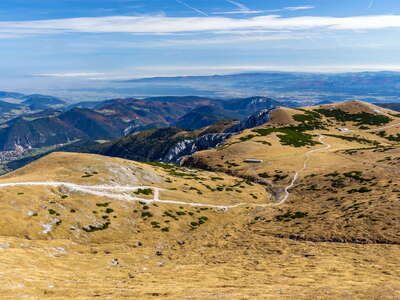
[{"x": 161, "y": 24}]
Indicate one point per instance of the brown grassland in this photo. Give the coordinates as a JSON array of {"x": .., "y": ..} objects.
[{"x": 337, "y": 236}]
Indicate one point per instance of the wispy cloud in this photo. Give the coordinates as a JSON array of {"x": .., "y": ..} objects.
[
  {"x": 294, "y": 8},
  {"x": 241, "y": 9},
  {"x": 192, "y": 8},
  {"x": 162, "y": 24},
  {"x": 239, "y": 12},
  {"x": 232, "y": 69},
  {"x": 232, "y": 39},
  {"x": 177, "y": 70},
  {"x": 371, "y": 4},
  {"x": 238, "y": 5},
  {"x": 69, "y": 75},
  {"x": 290, "y": 8}
]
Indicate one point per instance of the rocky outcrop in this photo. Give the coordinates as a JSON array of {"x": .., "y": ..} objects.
[
  {"x": 259, "y": 118},
  {"x": 139, "y": 126},
  {"x": 188, "y": 147},
  {"x": 209, "y": 141}
]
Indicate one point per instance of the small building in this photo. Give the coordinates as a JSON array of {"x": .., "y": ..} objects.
[
  {"x": 253, "y": 161},
  {"x": 344, "y": 129}
]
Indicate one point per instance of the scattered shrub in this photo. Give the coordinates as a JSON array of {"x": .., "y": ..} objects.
[
  {"x": 291, "y": 136},
  {"x": 359, "y": 118},
  {"x": 146, "y": 214},
  {"x": 291, "y": 216},
  {"x": 148, "y": 191},
  {"x": 264, "y": 175},
  {"x": 93, "y": 228}
]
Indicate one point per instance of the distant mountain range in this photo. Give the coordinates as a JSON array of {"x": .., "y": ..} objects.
[
  {"x": 156, "y": 144},
  {"x": 305, "y": 88},
  {"x": 15, "y": 104},
  {"x": 35, "y": 121},
  {"x": 110, "y": 119},
  {"x": 14, "y": 95},
  {"x": 155, "y": 129},
  {"x": 32, "y": 99},
  {"x": 392, "y": 106},
  {"x": 302, "y": 88},
  {"x": 38, "y": 102}
]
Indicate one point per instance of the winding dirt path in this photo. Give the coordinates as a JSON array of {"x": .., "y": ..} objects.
[
  {"x": 384, "y": 127},
  {"x": 120, "y": 192},
  {"x": 305, "y": 165},
  {"x": 327, "y": 146},
  {"x": 111, "y": 192}
]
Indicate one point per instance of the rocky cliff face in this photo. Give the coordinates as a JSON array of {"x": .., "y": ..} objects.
[
  {"x": 135, "y": 126},
  {"x": 209, "y": 141},
  {"x": 188, "y": 147},
  {"x": 259, "y": 118}
]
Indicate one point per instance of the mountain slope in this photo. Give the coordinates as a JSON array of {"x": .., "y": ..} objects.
[
  {"x": 93, "y": 124},
  {"x": 248, "y": 106},
  {"x": 152, "y": 230},
  {"x": 155, "y": 144},
  {"x": 203, "y": 116},
  {"x": 171, "y": 144},
  {"x": 345, "y": 156},
  {"x": 148, "y": 145},
  {"x": 6, "y": 107},
  {"x": 148, "y": 111},
  {"x": 37, "y": 133},
  {"x": 70, "y": 175},
  {"x": 50, "y": 128},
  {"x": 37, "y": 101},
  {"x": 4, "y": 95},
  {"x": 17, "y": 104},
  {"x": 392, "y": 106},
  {"x": 224, "y": 110},
  {"x": 113, "y": 118},
  {"x": 187, "y": 112}
]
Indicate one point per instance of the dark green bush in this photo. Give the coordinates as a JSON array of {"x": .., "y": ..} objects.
[
  {"x": 359, "y": 118},
  {"x": 148, "y": 191}
]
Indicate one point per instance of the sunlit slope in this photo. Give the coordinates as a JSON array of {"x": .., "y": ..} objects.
[
  {"x": 223, "y": 261},
  {"x": 82, "y": 196},
  {"x": 345, "y": 158},
  {"x": 101, "y": 227}
]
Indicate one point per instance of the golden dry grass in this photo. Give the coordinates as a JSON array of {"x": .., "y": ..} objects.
[
  {"x": 207, "y": 253},
  {"x": 337, "y": 207},
  {"x": 218, "y": 264}
]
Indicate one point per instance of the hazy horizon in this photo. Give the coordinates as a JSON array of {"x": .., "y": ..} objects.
[{"x": 65, "y": 45}]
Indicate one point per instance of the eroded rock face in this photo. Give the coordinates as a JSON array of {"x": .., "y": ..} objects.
[
  {"x": 209, "y": 141},
  {"x": 259, "y": 118},
  {"x": 188, "y": 147}
]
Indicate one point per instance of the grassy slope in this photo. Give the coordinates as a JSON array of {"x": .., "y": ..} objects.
[
  {"x": 341, "y": 207},
  {"x": 234, "y": 254},
  {"x": 80, "y": 210}
]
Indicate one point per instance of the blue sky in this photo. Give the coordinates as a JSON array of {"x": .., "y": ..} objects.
[{"x": 59, "y": 43}]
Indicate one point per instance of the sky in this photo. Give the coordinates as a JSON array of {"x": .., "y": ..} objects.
[{"x": 61, "y": 43}]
